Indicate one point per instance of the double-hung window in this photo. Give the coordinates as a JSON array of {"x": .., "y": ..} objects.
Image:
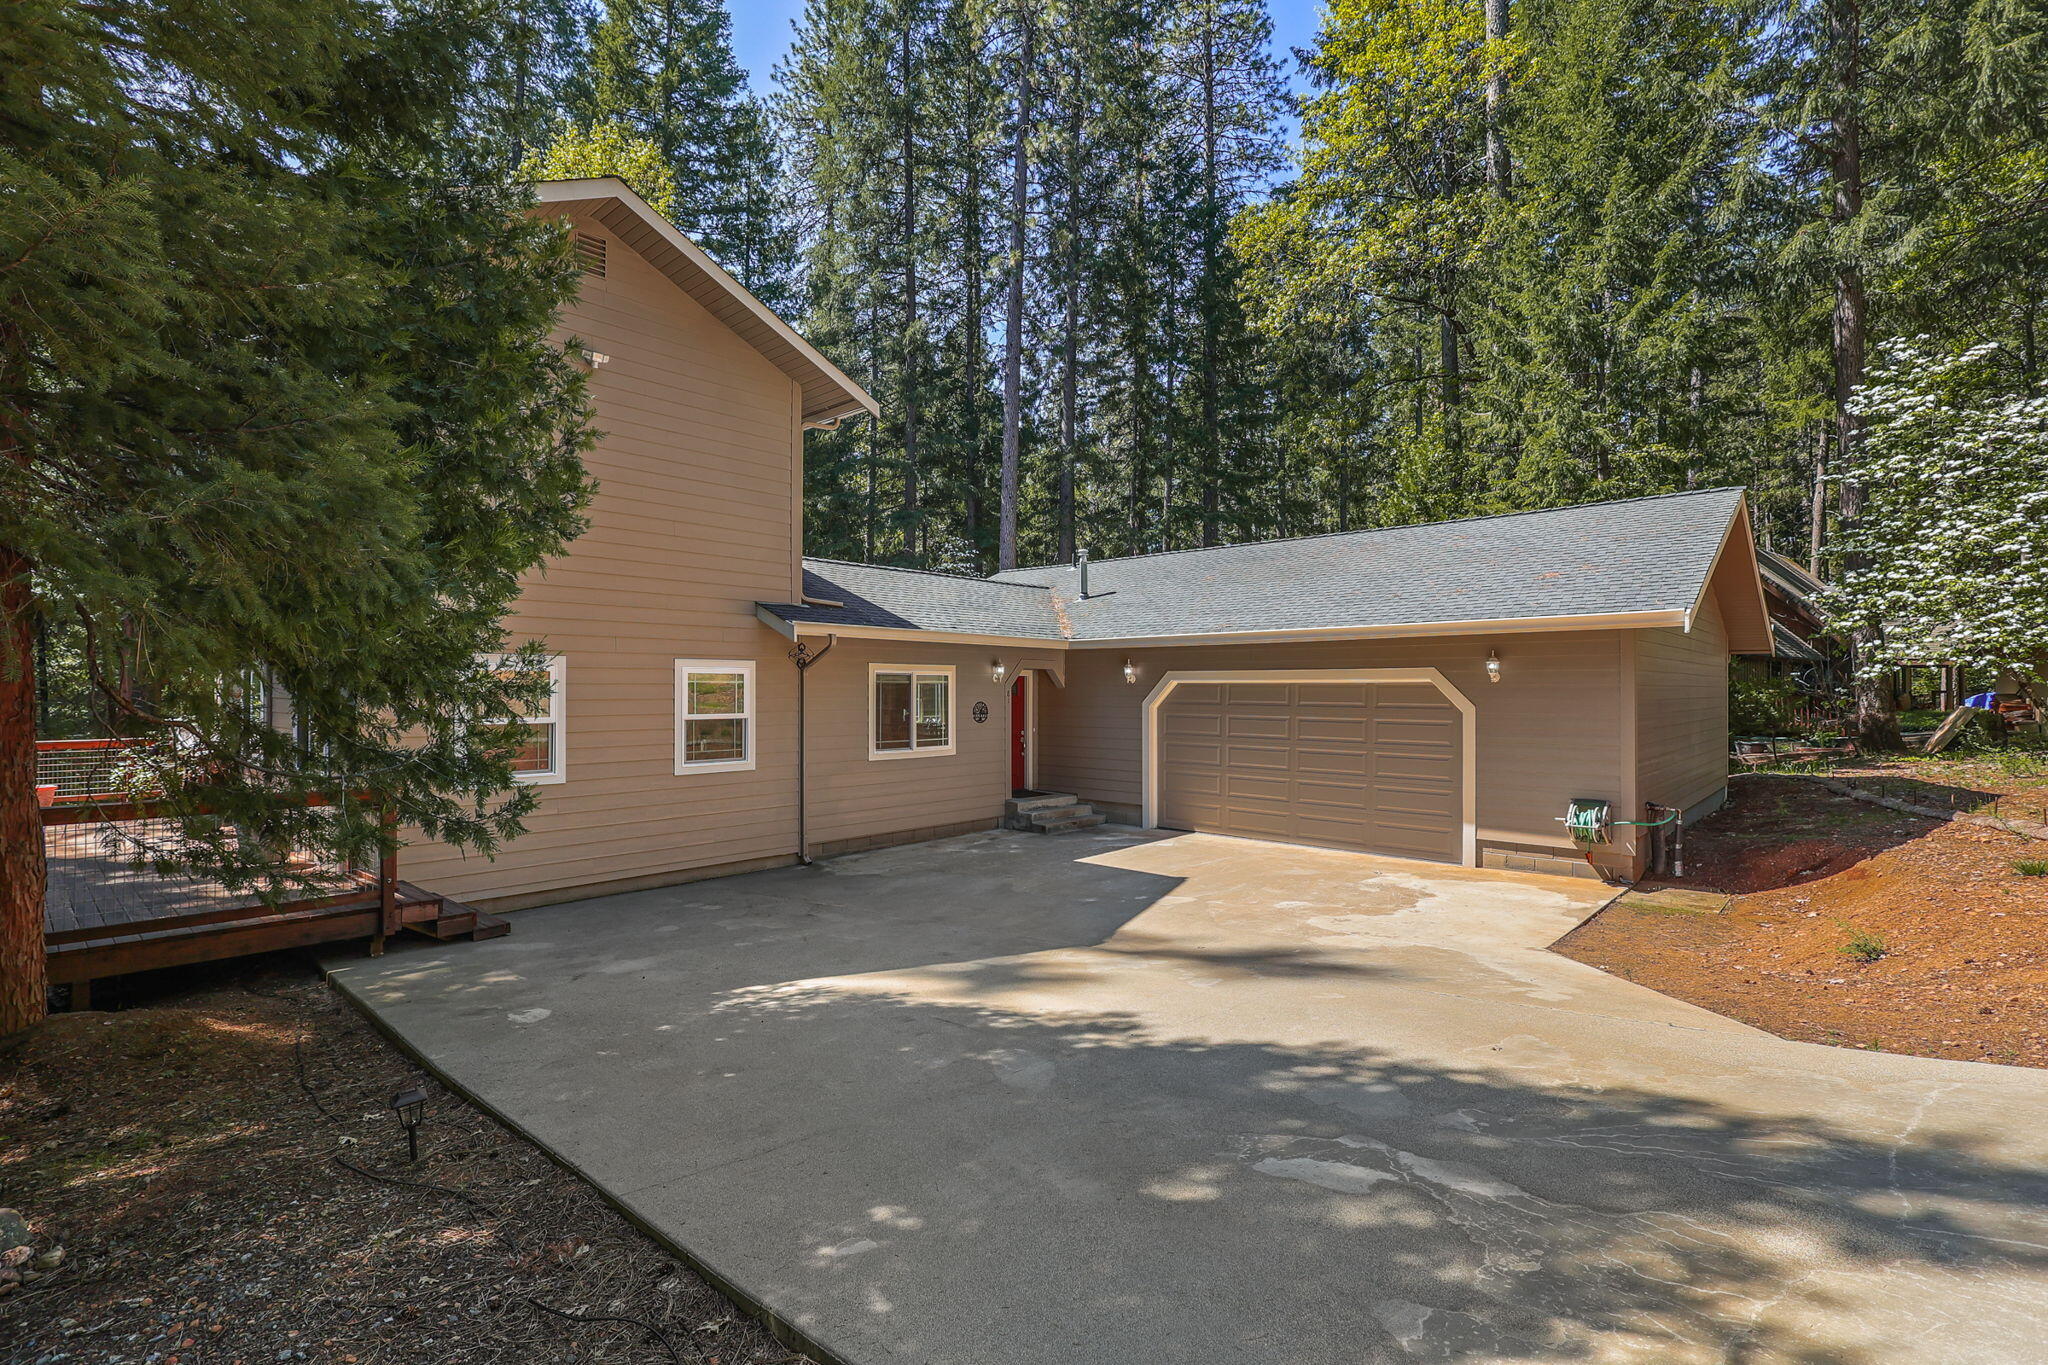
[
  {"x": 543, "y": 755},
  {"x": 910, "y": 710},
  {"x": 714, "y": 715}
]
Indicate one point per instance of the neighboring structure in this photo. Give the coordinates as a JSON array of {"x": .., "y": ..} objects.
[
  {"x": 1800, "y": 644},
  {"x": 1435, "y": 692}
]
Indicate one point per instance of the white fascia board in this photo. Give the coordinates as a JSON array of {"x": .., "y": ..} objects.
[{"x": 1630, "y": 620}]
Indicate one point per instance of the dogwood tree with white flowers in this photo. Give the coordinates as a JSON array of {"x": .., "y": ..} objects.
[{"x": 1952, "y": 547}]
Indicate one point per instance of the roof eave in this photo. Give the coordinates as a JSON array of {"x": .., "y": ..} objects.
[{"x": 1512, "y": 625}]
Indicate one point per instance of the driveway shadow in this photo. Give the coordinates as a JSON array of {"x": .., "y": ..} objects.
[
  {"x": 1002, "y": 1101},
  {"x": 1411, "y": 1211}
]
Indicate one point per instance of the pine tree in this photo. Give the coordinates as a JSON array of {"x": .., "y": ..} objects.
[
  {"x": 275, "y": 401},
  {"x": 665, "y": 69}
]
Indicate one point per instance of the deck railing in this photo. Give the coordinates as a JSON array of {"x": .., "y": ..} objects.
[
  {"x": 73, "y": 770},
  {"x": 104, "y": 843}
]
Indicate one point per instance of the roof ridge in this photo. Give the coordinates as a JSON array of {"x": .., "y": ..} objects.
[
  {"x": 1368, "y": 531},
  {"x": 928, "y": 573}
]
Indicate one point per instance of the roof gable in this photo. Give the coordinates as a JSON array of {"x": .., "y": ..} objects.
[{"x": 828, "y": 394}]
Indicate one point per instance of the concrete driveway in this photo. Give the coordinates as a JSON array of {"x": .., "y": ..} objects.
[{"x": 1171, "y": 1101}]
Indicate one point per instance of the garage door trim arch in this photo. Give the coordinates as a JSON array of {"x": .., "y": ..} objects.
[{"x": 1149, "y": 729}]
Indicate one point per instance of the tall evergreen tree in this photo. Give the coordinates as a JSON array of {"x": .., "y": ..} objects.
[
  {"x": 277, "y": 402},
  {"x": 665, "y": 68}
]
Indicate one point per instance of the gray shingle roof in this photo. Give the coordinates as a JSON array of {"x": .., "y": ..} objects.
[
  {"x": 914, "y": 599},
  {"x": 1641, "y": 555}
]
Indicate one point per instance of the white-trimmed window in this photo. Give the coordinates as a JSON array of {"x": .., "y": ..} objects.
[
  {"x": 714, "y": 715},
  {"x": 544, "y": 756},
  {"x": 910, "y": 710}
]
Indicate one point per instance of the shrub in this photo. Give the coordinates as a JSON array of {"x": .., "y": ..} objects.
[
  {"x": 1864, "y": 946},
  {"x": 2031, "y": 867},
  {"x": 1759, "y": 704}
]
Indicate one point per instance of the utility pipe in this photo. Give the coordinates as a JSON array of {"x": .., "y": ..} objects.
[{"x": 803, "y": 656}]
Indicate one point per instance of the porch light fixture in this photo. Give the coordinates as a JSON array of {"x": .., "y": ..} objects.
[
  {"x": 1130, "y": 671},
  {"x": 411, "y": 1107},
  {"x": 1492, "y": 665},
  {"x": 998, "y": 672}
]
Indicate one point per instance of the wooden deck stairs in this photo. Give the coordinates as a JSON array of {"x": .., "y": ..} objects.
[{"x": 444, "y": 918}]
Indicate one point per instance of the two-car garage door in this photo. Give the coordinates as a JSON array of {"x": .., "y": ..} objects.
[{"x": 1375, "y": 767}]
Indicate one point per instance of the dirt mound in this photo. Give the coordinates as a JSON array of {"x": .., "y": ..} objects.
[{"x": 1959, "y": 936}]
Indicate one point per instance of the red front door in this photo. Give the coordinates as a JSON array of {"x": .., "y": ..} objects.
[{"x": 1020, "y": 769}]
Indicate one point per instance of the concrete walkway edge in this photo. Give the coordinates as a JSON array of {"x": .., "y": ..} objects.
[{"x": 778, "y": 1326}]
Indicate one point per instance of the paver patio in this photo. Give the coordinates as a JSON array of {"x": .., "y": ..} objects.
[{"x": 1127, "y": 1098}]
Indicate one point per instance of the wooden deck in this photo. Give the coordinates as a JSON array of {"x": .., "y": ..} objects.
[{"x": 104, "y": 916}]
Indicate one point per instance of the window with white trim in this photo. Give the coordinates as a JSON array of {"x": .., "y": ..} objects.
[
  {"x": 910, "y": 710},
  {"x": 543, "y": 756},
  {"x": 714, "y": 715}
]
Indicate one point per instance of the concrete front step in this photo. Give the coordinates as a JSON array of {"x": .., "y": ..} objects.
[
  {"x": 1048, "y": 813},
  {"x": 1068, "y": 822},
  {"x": 1020, "y": 805}
]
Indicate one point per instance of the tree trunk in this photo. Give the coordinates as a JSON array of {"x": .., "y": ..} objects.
[
  {"x": 1497, "y": 170},
  {"x": 1818, "y": 516},
  {"x": 24, "y": 972},
  {"x": 1070, "y": 335},
  {"x": 1013, "y": 320},
  {"x": 1207, "y": 295},
  {"x": 912, "y": 528},
  {"x": 1453, "y": 381},
  {"x": 1877, "y": 727},
  {"x": 971, "y": 387}
]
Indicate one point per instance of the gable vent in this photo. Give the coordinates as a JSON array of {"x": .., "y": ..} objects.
[{"x": 590, "y": 250}]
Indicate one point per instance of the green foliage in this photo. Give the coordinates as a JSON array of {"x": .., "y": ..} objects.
[
  {"x": 281, "y": 401},
  {"x": 1956, "y": 462},
  {"x": 1758, "y": 703},
  {"x": 1864, "y": 946},
  {"x": 664, "y": 69},
  {"x": 609, "y": 148},
  {"x": 2031, "y": 867},
  {"x": 1147, "y": 406}
]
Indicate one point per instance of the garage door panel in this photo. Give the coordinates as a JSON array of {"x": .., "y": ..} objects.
[
  {"x": 1357, "y": 764},
  {"x": 1373, "y": 767},
  {"x": 1243, "y": 786},
  {"x": 1311, "y": 695},
  {"x": 1354, "y": 730}
]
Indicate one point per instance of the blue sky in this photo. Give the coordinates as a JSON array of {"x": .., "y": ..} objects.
[{"x": 761, "y": 30}]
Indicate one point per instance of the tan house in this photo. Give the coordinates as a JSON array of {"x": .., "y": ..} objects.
[{"x": 1439, "y": 692}]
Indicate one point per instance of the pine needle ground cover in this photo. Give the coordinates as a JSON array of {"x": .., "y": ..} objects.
[
  {"x": 1816, "y": 879},
  {"x": 220, "y": 1165}
]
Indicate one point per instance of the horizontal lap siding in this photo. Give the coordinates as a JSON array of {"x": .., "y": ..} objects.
[
  {"x": 1682, "y": 711},
  {"x": 853, "y": 796},
  {"x": 1553, "y": 728},
  {"x": 694, "y": 521}
]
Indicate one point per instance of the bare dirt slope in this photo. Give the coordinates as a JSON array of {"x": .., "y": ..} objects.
[{"x": 1963, "y": 934}]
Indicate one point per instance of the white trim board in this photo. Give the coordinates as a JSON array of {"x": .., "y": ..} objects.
[
  {"x": 1148, "y": 728},
  {"x": 951, "y": 673}
]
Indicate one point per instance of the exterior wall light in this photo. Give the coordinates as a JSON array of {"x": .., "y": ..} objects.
[
  {"x": 1492, "y": 665},
  {"x": 998, "y": 672},
  {"x": 1130, "y": 671},
  {"x": 595, "y": 359}
]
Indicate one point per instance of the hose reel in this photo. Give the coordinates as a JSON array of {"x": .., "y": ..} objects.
[{"x": 1589, "y": 820}]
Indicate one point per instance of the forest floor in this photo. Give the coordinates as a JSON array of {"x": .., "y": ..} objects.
[
  {"x": 1847, "y": 923},
  {"x": 214, "y": 1174}
]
